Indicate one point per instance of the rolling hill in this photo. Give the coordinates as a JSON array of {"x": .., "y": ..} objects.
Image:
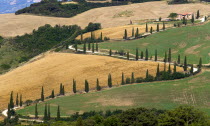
[{"x": 12, "y": 25}]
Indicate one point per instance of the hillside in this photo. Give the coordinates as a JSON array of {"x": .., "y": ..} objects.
[
  {"x": 12, "y": 25},
  {"x": 50, "y": 70}
]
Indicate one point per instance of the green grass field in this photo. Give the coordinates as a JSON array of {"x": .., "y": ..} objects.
[
  {"x": 193, "y": 91},
  {"x": 191, "y": 41}
]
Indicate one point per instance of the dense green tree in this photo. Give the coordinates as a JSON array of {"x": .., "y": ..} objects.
[
  {"x": 137, "y": 33},
  {"x": 42, "y": 94},
  {"x": 179, "y": 59},
  {"x": 156, "y": 55},
  {"x": 128, "y": 56},
  {"x": 9, "y": 111},
  {"x": 123, "y": 80},
  {"x": 193, "y": 19},
  {"x": 142, "y": 54},
  {"x": 84, "y": 48},
  {"x": 132, "y": 32},
  {"x": 45, "y": 113},
  {"x": 17, "y": 100},
  {"x": 81, "y": 37},
  {"x": 164, "y": 27},
  {"x": 101, "y": 37},
  {"x": 147, "y": 27},
  {"x": 158, "y": 72},
  {"x": 200, "y": 64},
  {"x": 93, "y": 48},
  {"x": 151, "y": 30},
  {"x": 137, "y": 54},
  {"x": 169, "y": 55},
  {"x": 11, "y": 101},
  {"x": 158, "y": 28},
  {"x": 110, "y": 52},
  {"x": 184, "y": 20},
  {"x": 132, "y": 78},
  {"x": 173, "y": 16},
  {"x": 58, "y": 113},
  {"x": 86, "y": 86},
  {"x": 109, "y": 81},
  {"x": 36, "y": 111},
  {"x": 89, "y": 46},
  {"x": 21, "y": 101},
  {"x": 147, "y": 75},
  {"x": 98, "y": 87},
  {"x": 198, "y": 14},
  {"x": 79, "y": 122},
  {"x": 146, "y": 55},
  {"x": 191, "y": 69},
  {"x": 185, "y": 63},
  {"x": 74, "y": 86},
  {"x": 125, "y": 34},
  {"x": 53, "y": 94},
  {"x": 205, "y": 18}
]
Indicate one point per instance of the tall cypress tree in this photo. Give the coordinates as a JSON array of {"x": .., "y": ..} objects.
[
  {"x": 8, "y": 112},
  {"x": 185, "y": 63},
  {"x": 125, "y": 34},
  {"x": 169, "y": 68},
  {"x": 89, "y": 46},
  {"x": 61, "y": 89},
  {"x": 169, "y": 55},
  {"x": 74, "y": 86},
  {"x": 93, "y": 48},
  {"x": 137, "y": 54},
  {"x": 200, "y": 64},
  {"x": 76, "y": 46},
  {"x": 198, "y": 14},
  {"x": 151, "y": 30},
  {"x": 36, "y": 111},
  {"x": 184, "y": 20},
  {"x": 96, "y": 46},
  {"x": 164, "y": 67},
  {"x": 17, "y": 100},
  {"x": 142, "y": 54},
  {"x": 174, "y": 67},
  {"x": 101, "y": 36},
  {"x": 164, "y": 27},
  {"x": 158, "y": 72},
  {"x": 86, "y": 86},
  {"x": 53, "y": 94},
  {"x": 165, "y": 59},
  {"x": 11, "y": 101},
  {"x": 109, "y": 81},
  {"x": 58, "y": 113},
  {"x": 45, "y": 113},
  {"x": 42, "y": 94},
  {"x": 137, "y": 33},
  {"x": 193, "y": 19},
  {"x": 133, "y": 32},
  {"x": 146, "y": 27},
  {"x": 49, "y": 114},
  {"x": 191, "y": 70},
  {"x": 110, "y": 52},
  {"x": 84, "y": 48},
  {"x": 158, "y": 28},
  {"x": 81, "y": 37},
  {"x": 156, "y": 55},
  {"x": 179, "y": 59},
  {"x": 21, "y": 102},
  {"x": 146, "y": 55},
  {"x": 128, "y": 56},
  {"x": 132, "y": 78},
  {"x": 123, "y": 80},
  {"x": 147, "y": 75},
  {"x": 98, "y": 87}
]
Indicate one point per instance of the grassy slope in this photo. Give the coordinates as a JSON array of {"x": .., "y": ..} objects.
[
  {"x": 194, "y": 42},
  {"x": 164, "y": 95}
]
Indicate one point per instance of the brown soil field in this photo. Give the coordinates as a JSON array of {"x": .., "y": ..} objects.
[
  {"x": 54, "y": 68},
  {"x": 12, "y": 25},
  {"x": 118, "y": 32}
]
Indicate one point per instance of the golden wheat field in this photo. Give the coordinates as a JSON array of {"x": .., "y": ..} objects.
[
  {"x": 54, "y": 68},
  {"x": 12, "y": 25}
]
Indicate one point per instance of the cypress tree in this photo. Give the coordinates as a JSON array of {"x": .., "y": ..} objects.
[
  {"x": 49, "y": 114},
  {"x": 63, "y": 91},
  {"x": 174, "y": 67},
  {"x": 200, "y": 64},
  {"x": 137, "y": 33},
  {"x": 58, "y": 113},
  {"x": 61, "y": 88},
  {"x": 84, "y": 48},
  {"x": 164, "y": 67},
  {"x": 147, "y": 75},
  {"x": 185, "y": 63},
  {"x": 45, "y": 113},
  {"x": 137, "y": 54},
  {"x": 193, "y": 19},
  {"x": 132, "y": 78},
  {"x": 165, "y": 59},
  {"x": 91, "y": 35},
  {"x": 74, "y": 86},
  {"x": 93, "y": 48},
  {"x": 36, "y": 111},
  {"x": 81, "y": 37},
  {"x": 158, "y": 72},
  {"x": 110, "y": 52},
  {"x": 21, "y": 102},
  {"x": 98, "y": 87},
  {"x": 169, "y": 55},
  {"x": 123, "y": 81},
  {"x": 96, "y": 46},
  {"x": 109, "y": 81},
  {"x": 142, "y": 54},
  {"x": 128, "y": 56},
  {"x": 17, "y": 100},
  {"x": 169, "y": 68},
  {"x": 76, "y": 46},
  {"x": 8, "y": 112},
  {"x": 11, "y": 101},
  {"x": 205, "y": 18},
  {"x": 191, "y": 70},
  {"x": 151, "y": 30},
  {"x": 158, "y": 28},
  {"x": 198, "y": 14},
  {"x": 183, "y": 20},
  {"x": 53, "y": 94},
  {"x": 89, "y": 46},
  {"x": 42, "y": 94},
  {"x": 125, "y": 34},
  {"x": 179, "y": 59},
  {"x": 146, "y": 27},
  {"x": 164, "y": 27},
  {"x": 101, "y": 36},
  {"x": 146, "y": 54},
  {"x": 86, "y": 86},
  {"x": 156, "y": 55},
  {"x": 133, "y": 32}
]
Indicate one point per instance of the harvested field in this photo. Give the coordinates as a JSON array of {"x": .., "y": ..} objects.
[
  {"x": 56, "y": 68},
  {"x": 12, "y": 25}
]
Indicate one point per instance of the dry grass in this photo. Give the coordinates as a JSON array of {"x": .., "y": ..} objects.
[
  {"x": 56, "y": 68},
  {"x": 118, "y": 32},
  {"x": 12, "y": 25}
]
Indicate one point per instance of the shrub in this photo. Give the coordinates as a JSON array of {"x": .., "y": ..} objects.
[
  {"x": 139, "y": 80},
  {"x": 5, "y": 66},
  {"x": 128, "y": 80}
]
